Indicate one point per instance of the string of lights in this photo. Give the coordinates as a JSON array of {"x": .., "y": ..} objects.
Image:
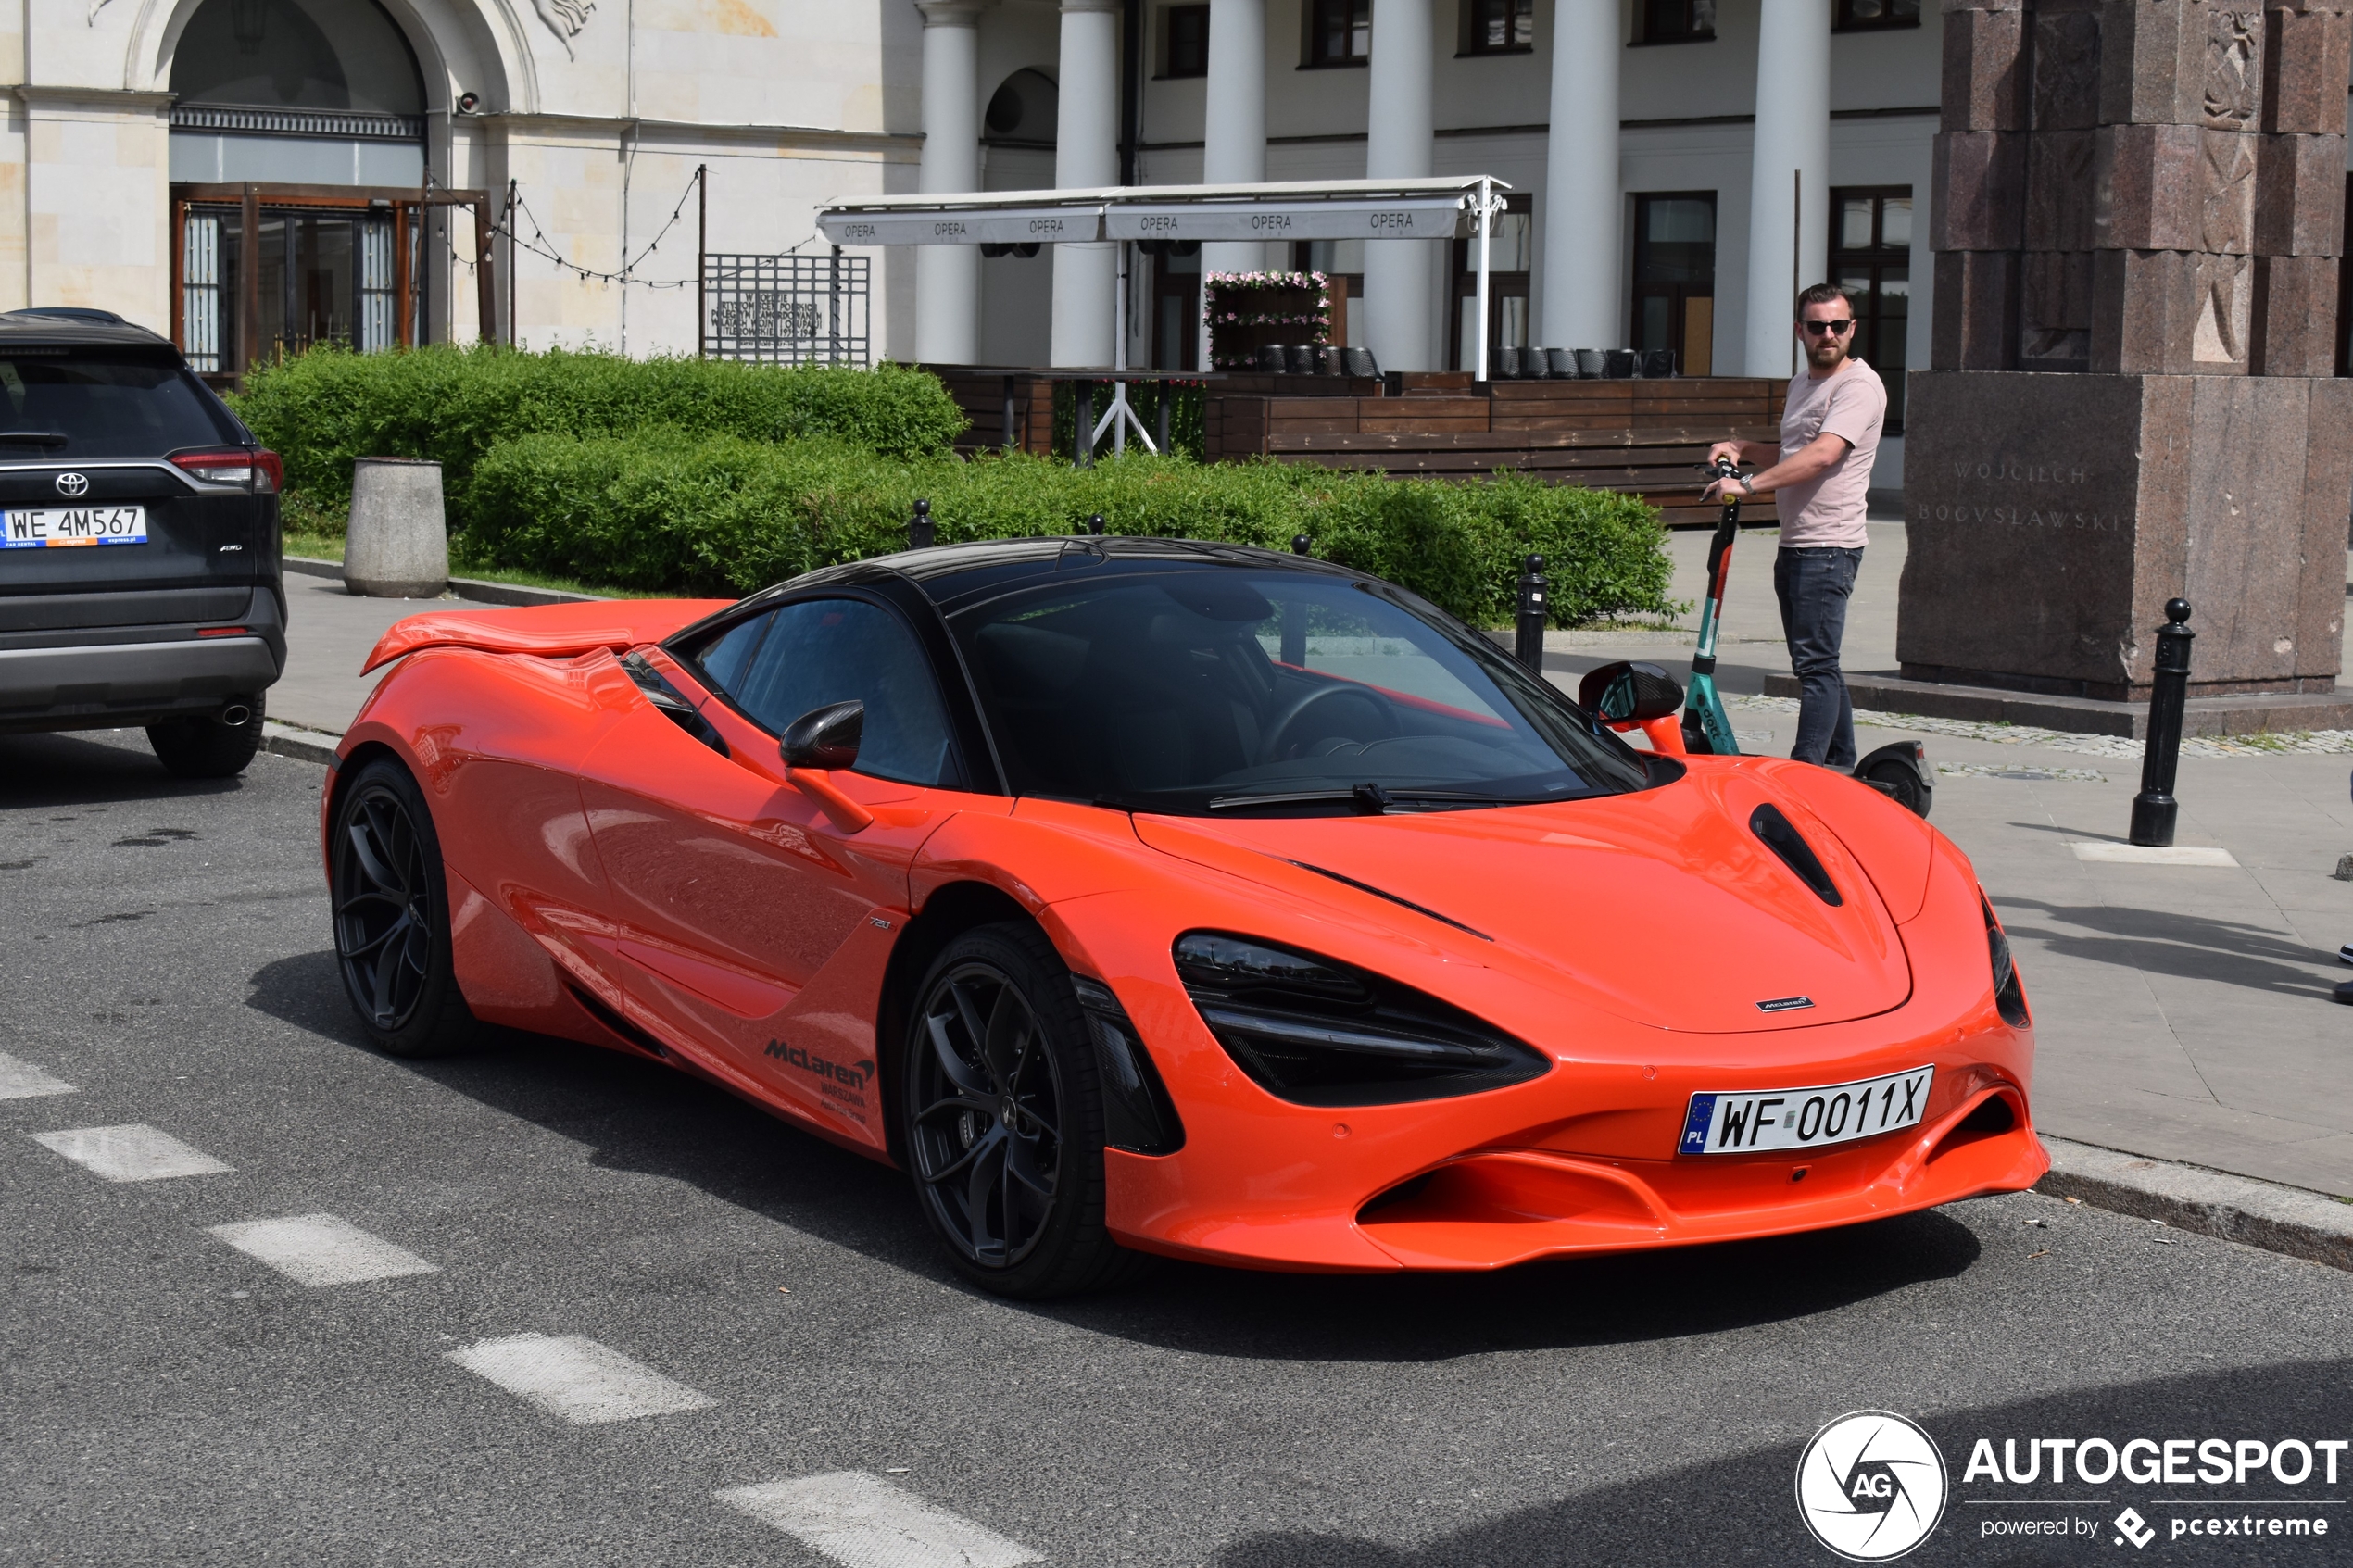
[{"x": 542, "y": 246}]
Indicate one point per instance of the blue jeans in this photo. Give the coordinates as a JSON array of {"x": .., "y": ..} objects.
[{"x": 1812, "y": 586}]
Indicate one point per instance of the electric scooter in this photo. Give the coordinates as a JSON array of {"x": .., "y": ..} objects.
[
  {"x": 1707, "y": 732},
  {"x": 1898, "y": 770}
]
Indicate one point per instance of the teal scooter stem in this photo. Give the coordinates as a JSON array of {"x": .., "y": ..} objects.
[{"x": 1706, "y": 730}]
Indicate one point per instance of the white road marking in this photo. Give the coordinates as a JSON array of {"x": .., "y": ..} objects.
[
  {"x": 2153, "y": 855},
  {"x": 135, "y": 1152},
  {"x": 322, "y": 1250},
  {"x": 21, "y": 1080},
  {"x": 578, "y": 1379},
  {"x": 862, "y": 1521}
]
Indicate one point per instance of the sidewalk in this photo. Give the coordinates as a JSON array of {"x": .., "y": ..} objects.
[{"x": 2182, "y": 1010}]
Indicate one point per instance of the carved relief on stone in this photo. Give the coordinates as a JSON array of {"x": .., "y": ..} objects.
[
  {"x": 2224, "y": 298},
  {"x": 2226, "y": 223},
  {"x": 2067, "y": 71},
  {"x": 2234, "y": 69},
  {"x": 565, "y": 18},
  {"x": 2055, "y": 310}
]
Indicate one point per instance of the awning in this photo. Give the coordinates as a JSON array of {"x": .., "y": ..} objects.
[
  {"x": 1022, "y": 224},
  {"x": 1340, "y": 209}
]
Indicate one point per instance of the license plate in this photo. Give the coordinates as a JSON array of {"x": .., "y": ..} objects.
[
  {"x": 57, "y": 528},
  {"x": 1772, "y": 1119}
]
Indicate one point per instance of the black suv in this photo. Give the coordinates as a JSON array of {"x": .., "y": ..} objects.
[{"x": 139, "y": 575}]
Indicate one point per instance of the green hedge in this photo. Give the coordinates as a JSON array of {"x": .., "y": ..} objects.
[
  {"x": 663, "y": 511},
  {"x": 323, "y": 408}
]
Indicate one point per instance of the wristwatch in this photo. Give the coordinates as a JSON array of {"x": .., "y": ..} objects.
[{"x": 1747, "y": 486}]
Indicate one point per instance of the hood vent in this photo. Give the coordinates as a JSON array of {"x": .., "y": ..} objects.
[{"x": 1781, "y": 836}]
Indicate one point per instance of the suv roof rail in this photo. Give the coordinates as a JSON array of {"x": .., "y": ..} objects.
[{"x": 71, "y": 313}]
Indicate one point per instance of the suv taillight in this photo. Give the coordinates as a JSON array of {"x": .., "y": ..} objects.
[{"x": 260, "y": 468}]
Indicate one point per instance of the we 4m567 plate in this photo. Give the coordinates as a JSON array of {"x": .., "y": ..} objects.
[
  {"x": 53, "y": 527},
  {"x": 1769, "y": 1119}
]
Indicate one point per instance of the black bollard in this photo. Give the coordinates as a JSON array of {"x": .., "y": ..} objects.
[
  {"x": 1302, "y": 546},
  {"x": 1082, "y": 435},
  {"x": 1528, "y": 647},
  {"x": 921, "y": 535},
  {"x": 2154, "y": 807},
  {"x": 1095, "y": 525}
]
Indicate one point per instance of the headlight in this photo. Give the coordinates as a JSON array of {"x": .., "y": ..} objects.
[
  {"x": 1317, "y": 1032},
  {"x": 2010, "y": 997}
]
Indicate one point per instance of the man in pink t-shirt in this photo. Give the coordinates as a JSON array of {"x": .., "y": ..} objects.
[{"x": 1822, "y": 473}]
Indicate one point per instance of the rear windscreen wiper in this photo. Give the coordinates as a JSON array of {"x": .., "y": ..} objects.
[{"x": 33, "y": 438}]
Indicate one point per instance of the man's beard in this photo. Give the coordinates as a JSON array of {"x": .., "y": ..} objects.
[{"x": 1825, "y": 351}]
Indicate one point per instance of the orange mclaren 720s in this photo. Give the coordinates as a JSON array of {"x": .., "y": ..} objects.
[{"x": 1139, "y": 896}]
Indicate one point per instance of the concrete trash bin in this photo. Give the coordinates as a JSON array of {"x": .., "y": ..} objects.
[{"x": 397, "y": 546}]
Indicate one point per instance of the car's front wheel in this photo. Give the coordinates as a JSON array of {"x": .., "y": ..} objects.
[
  {"x": 206, "y": 748},
  {"x": 1003, "y": 1119},
  {"x": 392, "y": 917}
]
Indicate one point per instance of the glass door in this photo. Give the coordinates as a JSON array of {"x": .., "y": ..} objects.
[{"x": 1675, "y": 278}]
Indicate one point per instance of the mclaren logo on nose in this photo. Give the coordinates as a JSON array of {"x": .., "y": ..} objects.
[
  {"x": 72, "y": 484},
  {"x": 1786, "y": 1004}
]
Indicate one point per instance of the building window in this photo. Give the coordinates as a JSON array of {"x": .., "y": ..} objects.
[
  {"x": 1675, "y": 277},
  {"x": 1869, "y": 15},
  {"x": 1871, "y": 258},
  {"x": 1184, "y": 47},
  {"x": 1498, "y": 27},
  {"x": 1675, "y": 21},
  {"x": 1339, "y": 32},
  {"x": 1511, "y": 257}
]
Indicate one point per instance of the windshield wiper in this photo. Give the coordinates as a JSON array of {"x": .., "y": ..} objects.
[
  {"x": 1372, "y": 800},
  {"x": 33, "y": 438}
]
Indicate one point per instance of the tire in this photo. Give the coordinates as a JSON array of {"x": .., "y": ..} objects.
[
  {"x": 1012, "y": 1183},
  {"x": 1902, "y": 782},
  {"x": 391, "y": 911},
  {"x": 205, "y": 748}
]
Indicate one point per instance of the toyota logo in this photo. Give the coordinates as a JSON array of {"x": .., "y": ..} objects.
[{"x": 72, "y": 484}]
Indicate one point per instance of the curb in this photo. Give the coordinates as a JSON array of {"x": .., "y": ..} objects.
[
  {"x": 475, "y": 588},
  {"x": 2279, "y": 1219},
  {"x": 303, "y": 745}
]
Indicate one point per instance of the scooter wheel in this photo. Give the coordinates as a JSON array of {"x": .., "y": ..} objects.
[{"x": 1902, "y": 782}]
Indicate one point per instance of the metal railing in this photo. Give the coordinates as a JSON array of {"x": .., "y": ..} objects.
[{"x": 786, "y": 310}]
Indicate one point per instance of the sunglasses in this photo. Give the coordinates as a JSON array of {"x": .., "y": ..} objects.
[{"x": 1834, "y": 329}]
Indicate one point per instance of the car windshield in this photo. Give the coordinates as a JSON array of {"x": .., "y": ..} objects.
[
  {"x": 78, "y": 406},
  {"x": 1220, "y": 691}
]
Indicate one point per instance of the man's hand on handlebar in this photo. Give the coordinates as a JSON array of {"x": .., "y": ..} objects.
[{"x": 1729, "y": 484}]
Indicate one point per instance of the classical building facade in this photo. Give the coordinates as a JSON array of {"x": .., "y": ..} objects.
[{"x": 253, "y": 175}]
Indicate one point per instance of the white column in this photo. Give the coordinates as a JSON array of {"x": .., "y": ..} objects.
[
  {"x": 1789, "y": 220},
  {"x": 1234, "y": 121},
  {"x": 948, "y": 277},
  {"x": 1086, "y": 156},
  {"x": 1583, "y": 305},
  {"x": 1400, "y": 302}
]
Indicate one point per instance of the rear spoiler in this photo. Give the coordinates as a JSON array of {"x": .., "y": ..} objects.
[{"x": 546, "y": 631}]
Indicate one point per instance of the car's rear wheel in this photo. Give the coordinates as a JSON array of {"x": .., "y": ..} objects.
[
  {"x": 1003, "y": 1119},
  {"x": 206, "y": 748},
  {"x": 392, "y": 917}
]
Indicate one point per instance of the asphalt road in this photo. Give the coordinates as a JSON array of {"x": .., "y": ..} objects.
[{"x": 170, "y": 1399}]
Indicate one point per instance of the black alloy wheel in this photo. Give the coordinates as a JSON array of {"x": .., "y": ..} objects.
[
  {"x": 392, "y": 917},
  {"x": 1003, "y": 1119}
]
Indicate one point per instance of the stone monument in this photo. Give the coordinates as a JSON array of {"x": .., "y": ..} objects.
[{"x": 2137, "y": 212}]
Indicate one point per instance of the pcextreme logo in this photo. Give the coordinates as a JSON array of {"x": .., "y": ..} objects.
[{"x": 1871, "y": 1486}]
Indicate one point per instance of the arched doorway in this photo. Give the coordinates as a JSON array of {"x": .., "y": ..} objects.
[{"x": 298, "y": 169}]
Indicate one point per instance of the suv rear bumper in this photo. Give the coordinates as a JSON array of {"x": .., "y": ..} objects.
[{"x": 110, "y": 683}]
